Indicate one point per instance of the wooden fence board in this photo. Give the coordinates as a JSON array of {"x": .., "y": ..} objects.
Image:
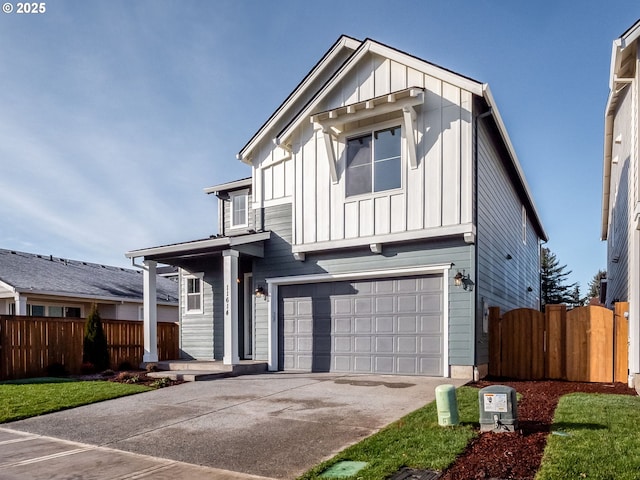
[
  {"x": 29, "y": 345},
  {"x": 587, "y": 344}
]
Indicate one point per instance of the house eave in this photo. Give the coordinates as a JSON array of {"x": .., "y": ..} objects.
[
  {"x": 86, "y": 297},
  {"x": 229, "y": 186},
  {"x": 197, "y": 246}
]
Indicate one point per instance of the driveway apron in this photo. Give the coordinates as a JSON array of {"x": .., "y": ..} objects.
[{"x": 272, "y": 425}]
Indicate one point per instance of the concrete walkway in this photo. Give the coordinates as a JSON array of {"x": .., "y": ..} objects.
[{"x": 270, "y": 425}]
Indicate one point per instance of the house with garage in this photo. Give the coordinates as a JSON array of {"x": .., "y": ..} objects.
[
  {"x": 621, "y": 188},
  {"x": 47, "y": 286},
  {"x": 386, "y": 210}
]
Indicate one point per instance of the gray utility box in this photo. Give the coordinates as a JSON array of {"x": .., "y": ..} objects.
[{"x": 498, "y": 409}]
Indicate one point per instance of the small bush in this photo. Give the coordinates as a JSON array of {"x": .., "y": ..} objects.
[
  {"x": 160, "y": 383},
  {"x": 57, "y": 370},
  {"x": 108, "y": 373},
  {"x": 95, "y": 348},
  {"x": 126, "y": 377}
]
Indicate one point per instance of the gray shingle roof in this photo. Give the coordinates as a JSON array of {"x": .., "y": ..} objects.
[{"x": 45, "y": 273}]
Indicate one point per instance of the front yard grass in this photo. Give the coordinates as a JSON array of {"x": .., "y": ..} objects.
[
  {"x": 603, "y": 441},
  {"x": 29, "y": 398},
  {"x": 415, "y": 441}
]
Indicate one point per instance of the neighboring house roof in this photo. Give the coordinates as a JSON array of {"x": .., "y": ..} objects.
[
  {"x": 358, "y": 50},
  {"x": 48, "y": 275},
  {"x": 230, "y": 186},
  {"x": 618, "y": 81}
]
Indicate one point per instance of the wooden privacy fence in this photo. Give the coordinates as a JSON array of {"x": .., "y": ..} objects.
[
  {"x": 586, "y": 344},
  {"x": 30, "y": 345}
]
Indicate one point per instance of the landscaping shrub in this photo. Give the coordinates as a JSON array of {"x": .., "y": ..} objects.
[
  {"x": 95, "y": 349},
  {"x": 125, "y": 366}
]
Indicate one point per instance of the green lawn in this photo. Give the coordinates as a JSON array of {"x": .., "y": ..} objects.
[
  {"x": 28, "y": 398},
  {"x": 603, "y": 441},
  {"x": 415, "y": 441}
]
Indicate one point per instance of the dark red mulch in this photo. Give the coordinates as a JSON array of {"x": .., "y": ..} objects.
[{"x": 518, "y": 455}]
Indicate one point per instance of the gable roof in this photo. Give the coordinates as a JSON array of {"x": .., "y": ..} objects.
[
  {"x": 617, "y": 84},
  {"x": 49, "y": 275},
  {"x": 362, "y": 48}
]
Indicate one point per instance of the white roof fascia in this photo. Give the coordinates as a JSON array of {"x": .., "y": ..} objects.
[
  {"x": 11, "y": 288},
  {"x": 512, "y": 153},
  {"x": 234, "y": 185},
  {"x": 619, "y": 44},
  {"x": 343, "y": 42},
  {"x": 401, "y": 57},
  {"x": 199, "y": 245}
]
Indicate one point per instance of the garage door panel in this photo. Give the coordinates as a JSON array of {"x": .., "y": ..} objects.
[
  {"x": 384, "y": 324},
  {"x": 407, "y": 325},
  {"x": 389, "y": 326}
]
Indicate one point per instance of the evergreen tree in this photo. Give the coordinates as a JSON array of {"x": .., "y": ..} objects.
[
  {"x": 553, "y": 278},
  {"x": 576, "y": 299},
  {"x": 594, "y": 284},
  {"x": 95, "y": 349}
]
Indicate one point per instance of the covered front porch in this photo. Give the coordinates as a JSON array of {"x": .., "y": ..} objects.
[{"x": 223, "y": 265}]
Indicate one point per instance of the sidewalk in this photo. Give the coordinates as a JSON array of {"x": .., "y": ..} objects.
[{"x": 36, "y": 457}]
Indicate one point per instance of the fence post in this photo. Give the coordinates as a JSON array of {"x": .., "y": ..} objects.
[
  {"x": 556, "y": 342},
  {"x": 495, "y": 342},
  {"x": 621, "y": 342}
]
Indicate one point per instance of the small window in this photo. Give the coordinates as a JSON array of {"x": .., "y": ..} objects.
[
  {"x": 374, "y": 162},
  {"x": 194, "y": 294},
  {"x": 72, "y": 312},
  {"x": 239, "y": 210},
  {"x": 35, "y": 310}
]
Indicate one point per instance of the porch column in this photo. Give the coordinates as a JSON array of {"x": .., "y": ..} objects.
[
  {"x": 230, "y": 272},
  {"x": 21, "y": 304},
  {"x": 150, "y": 308}
]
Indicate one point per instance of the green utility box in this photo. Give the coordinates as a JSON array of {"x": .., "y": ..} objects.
[
  {"x": 498, "y": 409},
  {"x": 447, "y": 404}
]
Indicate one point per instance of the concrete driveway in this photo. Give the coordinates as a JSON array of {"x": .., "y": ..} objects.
[{"x": 272, "y": 425}]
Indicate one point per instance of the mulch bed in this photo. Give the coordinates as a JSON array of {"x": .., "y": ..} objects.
[
  {"x": 138, "y": 377},
  {"x": 518, "y": 455}
]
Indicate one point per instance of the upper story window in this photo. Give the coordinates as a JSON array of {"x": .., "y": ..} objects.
[
  {"x": 524, "y": 225},
  {"x": 374, "y": 162},
  {"x": 194, "y": 294},
  {"x": 239, "y": 210}
]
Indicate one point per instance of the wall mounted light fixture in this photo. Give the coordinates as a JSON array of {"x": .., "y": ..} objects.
[
  {"x": 458, "y": 280},
  {"x": 259, "y": 292}
]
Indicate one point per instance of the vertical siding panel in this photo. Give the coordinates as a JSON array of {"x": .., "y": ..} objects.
[
  {"x": 381, "y": 76},
  {"x": 366, "y": 77},
  {"x": 415, "y": 78},
  {"x": 278, "y": 180},
  {"x": 432, "y": 141},
  {"x": 414, "y": 180},
  {"x": 289, "y": 178},
  {"x": 366, "y": 217},
  {"x": 350, "y": 89},
  {"x": 267, "y": 175},
  {"x": 351, "y": 222},
  {"x": 466, "y": 168},
  {"x": 450, "y": 155},
  {"x": 382, "y": 215},
  {"x": 398, "y": 213},
  {"x": 337, "y": 200},
  {"x": 398, "y": 76},
  {"x": 309, "y": 188},
  {"x": 323, "y": 197},
  {"x": 298, "y": 204}
]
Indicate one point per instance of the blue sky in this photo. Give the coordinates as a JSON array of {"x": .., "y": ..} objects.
[{"x": 115, "y": 115}]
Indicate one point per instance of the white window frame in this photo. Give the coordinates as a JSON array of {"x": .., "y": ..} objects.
[
  {"x": 187, "y": 278},
  {"x": 371, "y": 129},
  {"x": 232, "y": 197}
]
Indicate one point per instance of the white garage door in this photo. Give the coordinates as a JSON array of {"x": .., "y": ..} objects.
[{"x": 386, "y": 326}]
